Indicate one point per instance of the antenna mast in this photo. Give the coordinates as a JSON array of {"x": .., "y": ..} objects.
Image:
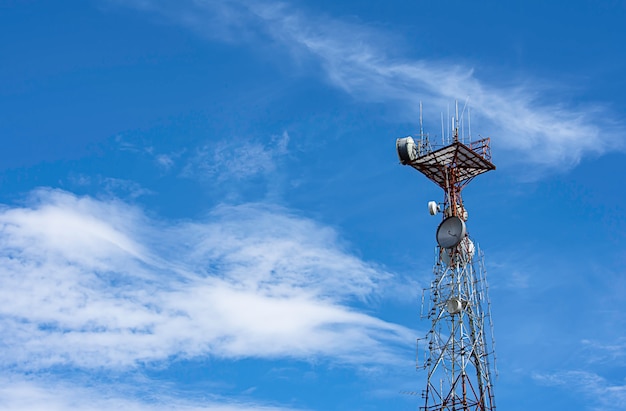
[{"x": 459, "y": 355}]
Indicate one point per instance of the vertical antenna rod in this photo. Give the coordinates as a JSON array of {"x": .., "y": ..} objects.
[{"x": 421, "y": 123}]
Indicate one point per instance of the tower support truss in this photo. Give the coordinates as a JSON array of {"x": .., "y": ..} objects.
[{"x": 458, "y": 351}]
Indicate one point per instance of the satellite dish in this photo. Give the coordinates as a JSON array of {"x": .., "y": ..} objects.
[
  {"x": 407, "y": 152},
  {"x": 450, "y": 232},
  {"x": 433, "y": 208}
]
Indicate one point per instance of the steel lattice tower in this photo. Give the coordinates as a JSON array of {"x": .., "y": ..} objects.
[{"x": 458, "y": 351}]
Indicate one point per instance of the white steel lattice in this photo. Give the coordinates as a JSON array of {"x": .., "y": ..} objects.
[{"x": 459, "y": 348}]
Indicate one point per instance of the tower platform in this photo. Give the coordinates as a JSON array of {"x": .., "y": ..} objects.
[{"x": 455, "y": 164}]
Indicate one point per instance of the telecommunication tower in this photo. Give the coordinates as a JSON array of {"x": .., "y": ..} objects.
[{"x": 458, "y": 351}]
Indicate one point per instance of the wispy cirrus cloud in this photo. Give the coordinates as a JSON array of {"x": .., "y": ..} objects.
[
  {"x": 114, "y": 187},
  {"x": 91, "y": 283},
  {"x": 605, "y": 395},
  {"x": 613, "y": 352},
  {"x": 524, "y": 117},
  {"x": 236, "y": 159},
  {"x": 27, "y": 394}
]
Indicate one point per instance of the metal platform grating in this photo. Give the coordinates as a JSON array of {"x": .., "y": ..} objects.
[{"x": 466, "y": 162}]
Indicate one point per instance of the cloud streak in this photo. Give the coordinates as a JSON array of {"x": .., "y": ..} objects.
[
  {"x": 93, "y": 283},
  {"x": 355, "y": 58},
  {"x": 605, "y": 396},
  {"x": 18, "y": 394},
  {"x": 236, "y": 159}
]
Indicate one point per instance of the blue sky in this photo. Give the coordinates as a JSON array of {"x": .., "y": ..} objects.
[{"x": 203, "y": 208}]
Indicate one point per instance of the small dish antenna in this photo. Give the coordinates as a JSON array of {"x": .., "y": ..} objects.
[{"x": 433, "y": 208}]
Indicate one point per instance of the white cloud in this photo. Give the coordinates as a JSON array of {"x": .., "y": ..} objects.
[
  {"x": 123, "y": 187},
  {"x": 237, "y": 159},
  {"x": 355, "y": 58},
  {"x": 603, "y": 352},
  {"x": 114, "y": 187},
  {"x": 165, "y": 161},
  {"x": 97, "y": 284},
  {"x": 602, "y": 394},
  {"x": 20, "y": 394}
]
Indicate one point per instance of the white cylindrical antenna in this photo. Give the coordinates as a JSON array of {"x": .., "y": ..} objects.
[
  {"x": 456, "y": 116},
  {"x": 443, "y": 141},
  {"x": 448, "y": 135},
  {"x": 462, "y": 119},
  {"x": 462, "y": 130},
  {"x": 453, "y": 131},
  {"x": 469, "y": 125},
  {"x": 421, "y": 122}
]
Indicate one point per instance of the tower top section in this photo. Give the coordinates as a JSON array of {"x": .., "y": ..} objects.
[{"x": 451, "y": 165}]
